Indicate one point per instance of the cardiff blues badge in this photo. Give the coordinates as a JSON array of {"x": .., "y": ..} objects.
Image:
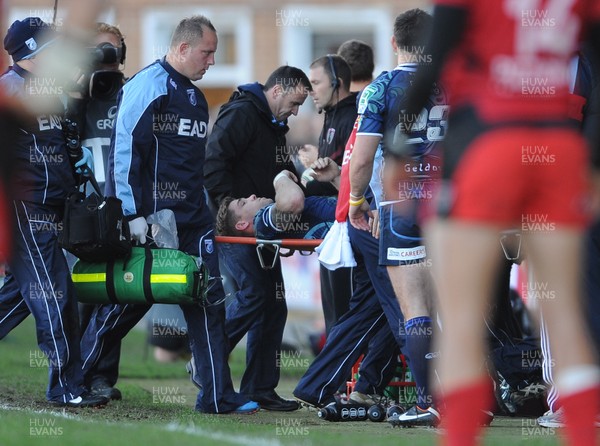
[
  {"x": 31, "y": 44},
  {"x": 192, "y": 96}
]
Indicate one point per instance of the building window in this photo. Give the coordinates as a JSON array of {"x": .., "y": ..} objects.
[
  {"x": 233, "y": 60},
  {"x": 309, "y": 32},
  {"x": 47, "y": 15},
  {"x": 324, "y": 42}
]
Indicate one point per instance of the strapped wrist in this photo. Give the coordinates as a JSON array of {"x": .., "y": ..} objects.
[
  {"x": 357, "y": 202},
  {"x": 279, "y": 176}
]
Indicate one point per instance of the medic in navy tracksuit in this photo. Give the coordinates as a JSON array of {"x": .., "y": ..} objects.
[
  {"x": 38, "y": 279},
  {"x": 373, "y": 321},
  {"x": 156, "y": 162},
  {"x": 373, "y": 312}
]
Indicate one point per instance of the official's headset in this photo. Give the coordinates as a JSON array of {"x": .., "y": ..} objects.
[
  {"x": 122, "y": 51},
  {"x": 335, "y": 82}
]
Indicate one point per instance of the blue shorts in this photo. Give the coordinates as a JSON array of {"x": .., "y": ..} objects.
[{"x": 400, "y": 241}]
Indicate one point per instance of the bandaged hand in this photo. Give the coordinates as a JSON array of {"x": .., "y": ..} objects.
[
  {"x": 286, "y": 174},
  {"x": 307, "y": 176}
]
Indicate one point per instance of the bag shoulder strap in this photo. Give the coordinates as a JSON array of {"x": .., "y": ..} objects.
[
  {"x": 110, "y": 282},
  {"x": 147, "y": 272}
]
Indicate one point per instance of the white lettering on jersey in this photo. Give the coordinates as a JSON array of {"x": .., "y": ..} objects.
[
  {"x": 49, "y": 122},
  {"x": 103, "y": 124},
  {"x": 108, "y": 122},
  {"x": 406, "y": 253},
  {"x": 189, "y": 127},
  {"x": 95, "y": 145},
  {"x": 545, "y": 33}
]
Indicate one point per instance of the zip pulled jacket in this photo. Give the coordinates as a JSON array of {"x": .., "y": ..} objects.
[{"x": 158, "y": 146}]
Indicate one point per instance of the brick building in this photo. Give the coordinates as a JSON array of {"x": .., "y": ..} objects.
[{"x": 255, "y": 36}]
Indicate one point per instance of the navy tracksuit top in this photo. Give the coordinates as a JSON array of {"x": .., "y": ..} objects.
[
  {"x": 43, "y": 172},
  {"x": 158, "y": 145}
]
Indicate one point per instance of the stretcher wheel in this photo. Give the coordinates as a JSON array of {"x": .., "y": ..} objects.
[
  {"x": 395, "y": 409},
  {"x": 376, "y": 413}
]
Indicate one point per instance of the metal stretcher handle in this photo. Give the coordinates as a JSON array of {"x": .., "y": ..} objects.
[
  {"x": 292, "y": 245},
  {"x": 508, "y": 240}
]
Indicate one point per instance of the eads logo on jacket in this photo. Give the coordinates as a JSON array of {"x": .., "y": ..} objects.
[{"x": 191, "y": 127}]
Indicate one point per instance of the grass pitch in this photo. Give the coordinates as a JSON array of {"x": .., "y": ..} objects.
[{"x": 157, "y": 409}]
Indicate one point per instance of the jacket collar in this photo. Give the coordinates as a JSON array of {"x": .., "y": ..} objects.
[
  {"x": 346, "y": 102},
  {"x": 255, "y": 94},
  {"x": 176, "y": 75},
  {"x": 20, "y": 71}
]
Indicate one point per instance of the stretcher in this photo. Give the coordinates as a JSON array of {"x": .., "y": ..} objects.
[
  {"x": 279, "y": 248},
  {"x": 402, "y": 379}
]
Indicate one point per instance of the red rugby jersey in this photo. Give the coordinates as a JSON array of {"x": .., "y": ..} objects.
[{"x": 512, "y": 63}]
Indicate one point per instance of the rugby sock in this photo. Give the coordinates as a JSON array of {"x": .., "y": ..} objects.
[
  {"x": 580, "y": 418},
  {"x": 463, "y": 412},
  {"x": 579, "y": 391},
  {"x": 418, "y": 346}
]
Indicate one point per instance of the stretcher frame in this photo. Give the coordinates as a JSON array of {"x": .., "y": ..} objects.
[
  {"x": 351, "y": 383},
  {"x": 280, "y": 248}
]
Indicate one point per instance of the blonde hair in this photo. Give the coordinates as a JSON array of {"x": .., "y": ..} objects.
[{"x": 102, "y": 28}]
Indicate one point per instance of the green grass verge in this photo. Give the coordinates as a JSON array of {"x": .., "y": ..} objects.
[{"x": 157, "y": 409}]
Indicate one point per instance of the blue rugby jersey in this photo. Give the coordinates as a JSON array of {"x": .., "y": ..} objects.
[
  {"x": 380, "y": 110},
  {"x": 313, "y": 223}
]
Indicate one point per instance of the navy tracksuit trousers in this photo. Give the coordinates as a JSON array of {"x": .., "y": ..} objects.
[
  {"x": 39, "y": 282},
  {"x": 374, "y": 316},
  {"x": 259, "y": 310}
]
